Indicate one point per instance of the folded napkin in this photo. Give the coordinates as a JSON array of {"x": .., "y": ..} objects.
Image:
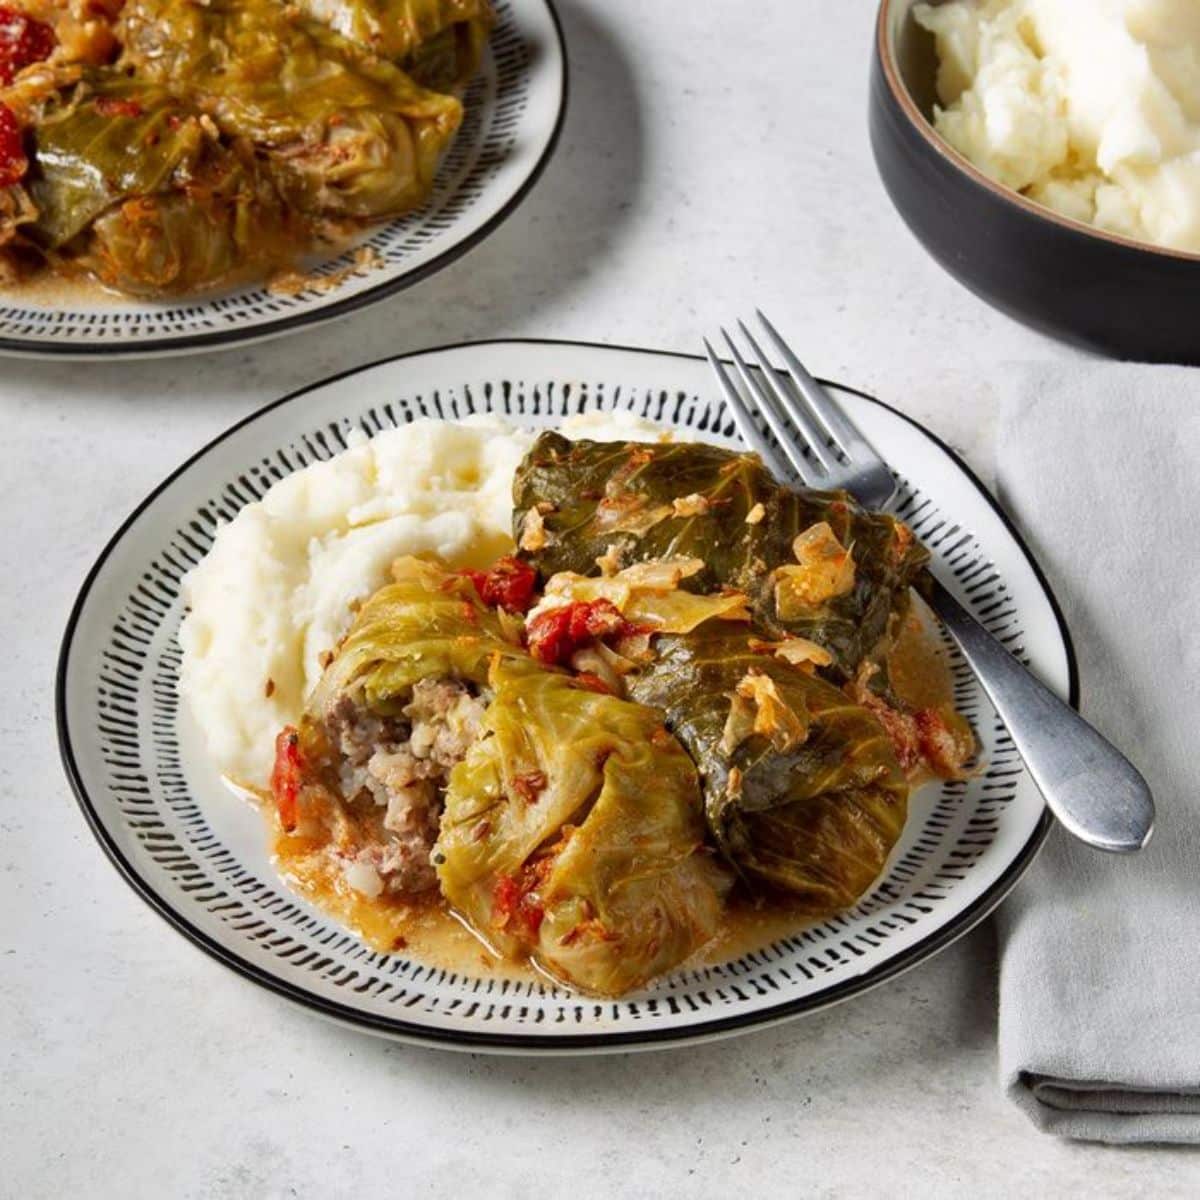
[{"x": 1100, "y": 954}]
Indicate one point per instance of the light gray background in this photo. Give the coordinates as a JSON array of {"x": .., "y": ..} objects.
[{"x": 715, "y": 156}]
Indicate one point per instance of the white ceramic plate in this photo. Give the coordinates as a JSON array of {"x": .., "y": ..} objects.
[
  {"x": 199, "y": 856},
  {"x": 514, "y": 111}
]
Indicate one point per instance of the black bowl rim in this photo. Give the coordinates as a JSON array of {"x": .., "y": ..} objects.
[
  {"x": 886, "y": 57},
  {"x": 567, "y": 1044}
]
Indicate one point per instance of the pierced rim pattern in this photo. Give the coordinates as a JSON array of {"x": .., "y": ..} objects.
[{"x": 964, "y": 847}]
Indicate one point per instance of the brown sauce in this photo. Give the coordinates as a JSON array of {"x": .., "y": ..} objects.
[
  {"x": 430, "y": 934},
  {"x": 918, "y": 666},
  {"x": 44, "y": 287},
  {"x": 424, "y": 931}
]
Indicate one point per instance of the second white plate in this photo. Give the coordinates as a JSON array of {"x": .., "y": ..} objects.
[{"x": 514, "y": 111}]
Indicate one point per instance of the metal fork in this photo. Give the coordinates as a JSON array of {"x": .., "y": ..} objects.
[{"x": 1089, "y": 785}]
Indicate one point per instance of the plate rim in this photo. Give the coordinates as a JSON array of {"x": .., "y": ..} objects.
[
  {"x": 594, "y": 1042},
  {"x": 231, "y": 338}
]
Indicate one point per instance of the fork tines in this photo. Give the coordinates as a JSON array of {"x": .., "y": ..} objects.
[{"x": 806, "y": 432}]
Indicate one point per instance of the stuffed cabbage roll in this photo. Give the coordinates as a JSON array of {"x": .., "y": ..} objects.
[
  {"x": 398, "y": 705},
  {"x": 813, "y": 564},
  {"x": 574, "y": 835},
  {"x": 802, "y": 789},
  {"x": 127, "y": 182},
  {"x": 438, "y": 42},
  {"x": 348, "y": 135}
]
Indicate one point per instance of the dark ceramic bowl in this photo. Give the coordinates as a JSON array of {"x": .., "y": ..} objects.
[{"x": 1104, "y": 292}]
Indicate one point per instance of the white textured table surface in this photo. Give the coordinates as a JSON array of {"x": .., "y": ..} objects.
[{"x": 711, "y": 159}]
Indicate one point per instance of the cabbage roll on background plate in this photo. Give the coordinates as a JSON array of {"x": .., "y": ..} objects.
[
  {"x": 347, "y": 135},
  {"x": 129, "y": 183},
  {"x": 438, "y": 42}
]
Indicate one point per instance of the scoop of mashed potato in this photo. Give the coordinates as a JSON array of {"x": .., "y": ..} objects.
[
  {"x": 275, "y": 592},
  {"x": 1091, "y": 109}
]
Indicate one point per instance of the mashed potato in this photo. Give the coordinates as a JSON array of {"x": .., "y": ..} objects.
[
  {"x": 1092, "y": 109},
  {"x": 274, "y": 592}
]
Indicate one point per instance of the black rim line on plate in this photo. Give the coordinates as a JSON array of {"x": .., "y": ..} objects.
[
  {"x": 228, "y": 339},
  {"x": 925, "y": 948}
]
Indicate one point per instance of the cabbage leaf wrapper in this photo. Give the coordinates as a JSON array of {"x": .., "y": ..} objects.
[
  {"x": 358, "y": 784},
  {"x": 429, "y": 624},
  {"x": 578, "y": 503},
  {"x": 128, "y": 184},
  {"x": 802, "y": 789},
  {"x": 573, "y": 834},
  {"x": 349, "y": 136},
  {"x": 438, "y": 42}
]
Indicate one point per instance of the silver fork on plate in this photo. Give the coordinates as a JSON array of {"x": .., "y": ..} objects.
[{"x": 1089, "y": 785}]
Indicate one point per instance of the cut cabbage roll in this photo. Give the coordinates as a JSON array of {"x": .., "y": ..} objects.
[
  {"x": 802, "y": 788},
  {"x": 127, "y": 182},
  {"x": 573, "y": 828},
  {"x": 574, "y": 835},
  {"x": 400, "y": 702},
  {"x": 813, "y": 564},
  {"x": 348, "y": 135},
  {"x": 438, "y": 42}
]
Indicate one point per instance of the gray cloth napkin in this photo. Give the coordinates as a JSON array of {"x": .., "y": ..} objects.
[{"x": 1100, "y": 955}]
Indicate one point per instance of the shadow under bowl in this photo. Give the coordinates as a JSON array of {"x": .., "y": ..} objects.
[{"x": 1110, "y": 294}]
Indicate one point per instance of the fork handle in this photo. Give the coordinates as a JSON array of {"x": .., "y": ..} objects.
[{"x": 1093, "y": 789}]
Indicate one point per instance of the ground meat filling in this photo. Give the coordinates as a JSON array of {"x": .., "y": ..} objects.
[{"x": 396, "y": 768}]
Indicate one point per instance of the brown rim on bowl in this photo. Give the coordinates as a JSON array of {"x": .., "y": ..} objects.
[{"x": 899, "y": 90}]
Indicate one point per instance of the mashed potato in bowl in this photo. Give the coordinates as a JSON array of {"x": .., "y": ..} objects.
[
  {"x": 275, "y": 593},
  {"x": 1092, "y": 109}
]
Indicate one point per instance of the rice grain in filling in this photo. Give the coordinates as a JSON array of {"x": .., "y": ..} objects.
[{"x": 392, "y": 773}]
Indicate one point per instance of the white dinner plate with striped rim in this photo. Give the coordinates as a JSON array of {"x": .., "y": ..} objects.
[
  {"x": 514, "y": 112},
  {"x": 199, "y": 856}
]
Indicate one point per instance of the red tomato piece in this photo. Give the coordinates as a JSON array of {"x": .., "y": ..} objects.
[
  {"x": 944, "y": 753},
  {"x": 532, "y": 914},
  {"x": 513, "y": 903},
  {"x": 22, "y": 41},
  {"x": 507, "y": 584},
  {"x": 286, "y": 776},
  {"x": 530, "y": 786},
  {"x": 556, "y": 634},
  {"x": 13, "y": 163},
  {"x": 505, "y": 897},
  {"x": 593, "y": 683},
  {"x": 115, "y": 106}
]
